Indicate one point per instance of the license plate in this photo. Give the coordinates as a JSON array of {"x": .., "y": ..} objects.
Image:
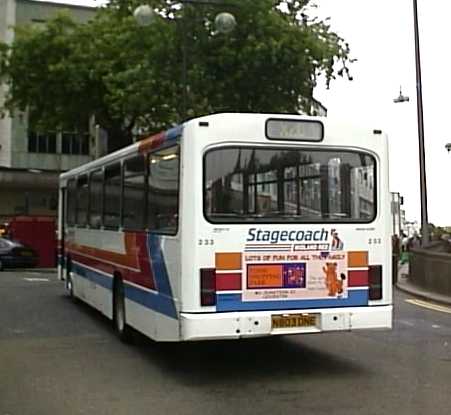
[
  {"x": 293, "y": 320},
  {"x": 26, "y": 253}
]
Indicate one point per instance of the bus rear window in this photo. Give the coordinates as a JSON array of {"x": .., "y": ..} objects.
[{"x": 289, "y": 185}]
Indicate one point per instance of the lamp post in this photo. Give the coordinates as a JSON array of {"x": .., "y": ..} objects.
[
  {"x": 401, "y": 98},
  {"x": 224, "y": 23}
]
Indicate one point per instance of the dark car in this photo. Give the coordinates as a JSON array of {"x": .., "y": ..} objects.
[{"x": 13, "y": 254}]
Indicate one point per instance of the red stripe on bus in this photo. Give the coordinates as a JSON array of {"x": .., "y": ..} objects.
[
  {"x": 152, "y": 142},
  {"x": 141, "y": 277},
  {"x": 230, "y": 281},
  {"x": 357, "y": 278},
  {"x": 137, "y": 258},
  {"x": 134, "y": 246}
]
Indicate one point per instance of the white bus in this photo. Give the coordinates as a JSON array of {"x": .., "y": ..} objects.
[{"x": 233, "y": 226}]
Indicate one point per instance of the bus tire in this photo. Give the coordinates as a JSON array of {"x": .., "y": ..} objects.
[
  {"x": 119, "y": 318},
  {"x": 70, "y": 287},
  {"x": 69, "y": 280},
  {"x": 1, "y": 265}
]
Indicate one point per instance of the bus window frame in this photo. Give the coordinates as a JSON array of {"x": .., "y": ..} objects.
[
  {"x": 77, "y": 178},
  {"x": 117, "y": 227},
  {"x": 299, "y": 147},
  {"x": 179, "y": 175},
  {"x": 70, "y": 195},
  {"x": 102, "y": 197},
  {"x": 145, "y": 158}
]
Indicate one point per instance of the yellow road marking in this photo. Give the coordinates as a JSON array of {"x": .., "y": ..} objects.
[{"x": 430, "y": 306}]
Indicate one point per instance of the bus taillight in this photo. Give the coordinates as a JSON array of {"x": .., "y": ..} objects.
[
  {"x": 207, "y": 286},
  {"x": 375, "y": 282}
]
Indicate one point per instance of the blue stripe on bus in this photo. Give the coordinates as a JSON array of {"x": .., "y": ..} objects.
[
  {"x": 160, "y": 274},
  {"x": 152, "y": 300},
  {"x": 93, "y": 276},
  {"x": 173, "y": 133},
  {"x": 158, "y": 265},
  {"x": 233, "y": 302},
  {"x": 161, "y": 302}
]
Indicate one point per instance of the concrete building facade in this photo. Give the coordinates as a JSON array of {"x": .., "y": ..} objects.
[{"x": 31, "y": 162}]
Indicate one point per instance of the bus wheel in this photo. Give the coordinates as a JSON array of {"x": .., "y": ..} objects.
[
  {"x": 1, "y": 265},
  {"x": 120, "y": 324},
  {"x": 69, "y": 280},
  {"x": 70, "y": 286}
]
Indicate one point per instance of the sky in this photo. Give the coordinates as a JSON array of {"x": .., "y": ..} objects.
[{"x": 380, "y": 34}]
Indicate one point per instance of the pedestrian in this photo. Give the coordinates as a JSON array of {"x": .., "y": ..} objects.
[
  {"x": 415, "y": 242},
  {"x": 395, "y": 256},
  {"x": 404, "y": 242},
  {"x": 395, "y": 245}
]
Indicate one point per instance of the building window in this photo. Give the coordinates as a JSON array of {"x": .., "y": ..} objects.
[
  {"x": 75, "y": 143},
  {"x": 42, "y": 142}
]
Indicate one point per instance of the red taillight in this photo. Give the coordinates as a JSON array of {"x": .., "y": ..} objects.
[
  {"x": 375, "y": 282},
  {"x": 207, "y": 286}
]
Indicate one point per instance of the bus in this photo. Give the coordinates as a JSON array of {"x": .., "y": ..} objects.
[{"x": 233, "y": 226}]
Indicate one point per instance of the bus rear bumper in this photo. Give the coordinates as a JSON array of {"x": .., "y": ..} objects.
[{"x": 235, "y": 325}]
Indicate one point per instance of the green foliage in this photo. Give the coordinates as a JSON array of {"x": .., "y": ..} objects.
[{"x": 132, "y": 78}]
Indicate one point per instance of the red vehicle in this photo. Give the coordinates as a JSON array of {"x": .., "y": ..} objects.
[{"x": 38, "y": 233}]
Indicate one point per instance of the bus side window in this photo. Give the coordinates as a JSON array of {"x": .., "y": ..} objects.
[
  {"x": 82, "y": 200},
  {"x": 134, "y": 193},
  {"x": 163, "y": 190},
  {"x": 95, "y": 199},
  {"x": 71, "y": 202},
  {"x": 112, "y": 199}
]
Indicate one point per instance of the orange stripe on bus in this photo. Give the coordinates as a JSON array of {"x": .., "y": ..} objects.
[
  {"x": 228, "y": 261},
  {"x": 357, "y": 259}
]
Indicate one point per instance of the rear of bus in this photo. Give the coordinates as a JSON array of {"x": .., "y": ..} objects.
[{"x": 285, "y": 227}]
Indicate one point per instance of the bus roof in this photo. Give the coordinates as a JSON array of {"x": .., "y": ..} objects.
[{"x": 225, "y": 122}]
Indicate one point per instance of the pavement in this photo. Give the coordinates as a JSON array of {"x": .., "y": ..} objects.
[
  {"x": 404, "y": 284},
  {"x": 41, "y": 270}
]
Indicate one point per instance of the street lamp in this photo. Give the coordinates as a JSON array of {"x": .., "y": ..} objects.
[
  {"x": 144, "y": 15},
  {"x": 423, "y": 190},
  {"x": 224, "y": 24},
  {"x": 401, "y": 97}
]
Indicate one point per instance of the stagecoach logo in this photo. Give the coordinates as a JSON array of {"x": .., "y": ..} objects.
[{"x": 298, "y": 240}]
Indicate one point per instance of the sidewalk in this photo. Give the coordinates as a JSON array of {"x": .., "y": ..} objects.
[{"x": 405, "y": 285}]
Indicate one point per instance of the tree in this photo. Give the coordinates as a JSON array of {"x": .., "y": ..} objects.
[
  {"x": 66, "y": 72},
  {"x": 130, "y": 78}
]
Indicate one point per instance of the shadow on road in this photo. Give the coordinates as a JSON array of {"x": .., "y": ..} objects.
[
  {"x": 198, "y": 363},
  {"x": 247, "y": 359}
]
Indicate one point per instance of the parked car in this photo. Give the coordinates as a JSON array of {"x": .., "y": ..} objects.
[{"x": 13, "y": 254}]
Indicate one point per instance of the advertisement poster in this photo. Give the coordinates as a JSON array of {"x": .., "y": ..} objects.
[{"x": 295, "y": 275}]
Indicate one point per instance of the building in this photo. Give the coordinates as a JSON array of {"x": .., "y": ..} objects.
[{"x": 30, "y": 163}]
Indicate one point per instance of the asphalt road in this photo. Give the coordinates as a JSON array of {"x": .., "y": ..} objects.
[{"x": 61, "y": 357}]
